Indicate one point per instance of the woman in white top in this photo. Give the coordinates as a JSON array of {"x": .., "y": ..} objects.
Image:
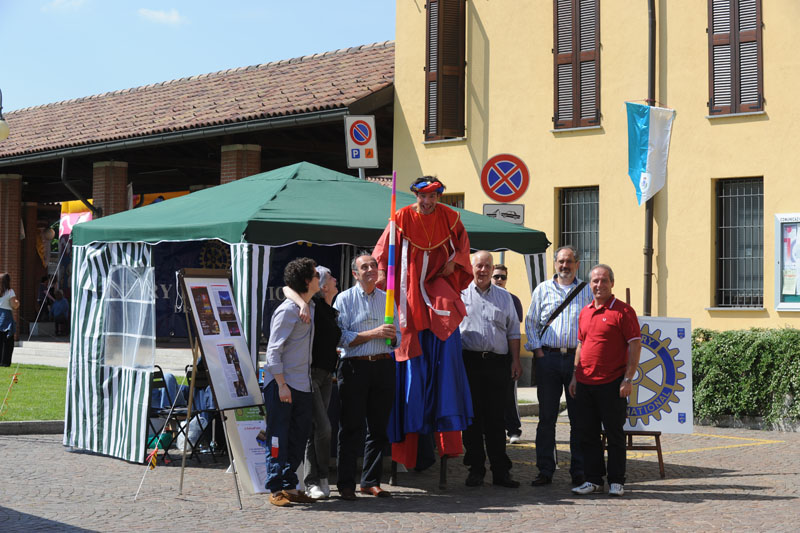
[{"x": 8, "y": 303}]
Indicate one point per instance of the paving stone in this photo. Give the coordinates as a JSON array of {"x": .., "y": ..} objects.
[{"x": 718, "y": 479}]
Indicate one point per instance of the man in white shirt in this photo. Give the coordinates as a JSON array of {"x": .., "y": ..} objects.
[{"x": 490, "y": 341}]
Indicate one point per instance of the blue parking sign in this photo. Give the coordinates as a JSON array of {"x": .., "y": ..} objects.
[{"x": 355, "y": 153}]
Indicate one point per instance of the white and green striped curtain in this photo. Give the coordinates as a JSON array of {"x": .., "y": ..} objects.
[
  {"x": 106, "y": 406},
  {"x": 250, "y": 273}
]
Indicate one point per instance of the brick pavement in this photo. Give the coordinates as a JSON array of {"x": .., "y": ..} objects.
[{"x": 717, "y": 479}]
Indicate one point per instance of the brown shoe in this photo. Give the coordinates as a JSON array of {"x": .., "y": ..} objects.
[
  {"x": 376, "y": 491},
  {"x": 347, "y": 494},
  {"x": 295, "y": 496},
  {"x": 280, "y": 499}
]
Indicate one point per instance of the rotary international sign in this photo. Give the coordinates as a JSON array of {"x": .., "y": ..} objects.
[{"x": 661, "y": 397}]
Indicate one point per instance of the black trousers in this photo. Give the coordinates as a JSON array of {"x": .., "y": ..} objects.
[
  {"x": 6, "y": 348},
  {"x": 366, "y": 395},
  {"x": 596, "y": 404},
  {"x": 489, "y": 379}
]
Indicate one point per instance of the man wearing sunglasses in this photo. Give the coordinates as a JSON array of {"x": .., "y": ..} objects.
[{"x": 511, "y": 412}]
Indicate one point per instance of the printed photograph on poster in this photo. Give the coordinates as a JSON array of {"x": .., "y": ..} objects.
[
  {"x": 233, "y": 329},
  {"x": 226, "y": 314},
  {"x": 224, "y": 298},
  {"x": 205, "y": 313},
  {"x": 231, "y": 368}
]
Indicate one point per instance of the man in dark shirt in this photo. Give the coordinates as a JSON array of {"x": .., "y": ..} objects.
[{"x": 511, "y": 412}]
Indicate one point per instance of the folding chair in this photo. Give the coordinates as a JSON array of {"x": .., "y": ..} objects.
[
  {"x": 201, "y": 383},
  {"x": 165, "y": 410}
]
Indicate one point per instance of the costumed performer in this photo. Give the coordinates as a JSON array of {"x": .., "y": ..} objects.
[{"x": 432, "y": 268}]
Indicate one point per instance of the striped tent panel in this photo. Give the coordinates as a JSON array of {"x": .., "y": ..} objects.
[
  {"x": 536, "y": 266},
  {"x": 250, "y": 272},
  {"x": 106, "y": 407}
]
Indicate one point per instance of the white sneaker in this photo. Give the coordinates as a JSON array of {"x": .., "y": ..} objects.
[
  {"x": 587, "y": 488},
  {"x": 513, "y": 439},
  {"x": 315, "y": 492},
  {"x": 616, "y": 489},
  {"x": 326, "y": 489}
]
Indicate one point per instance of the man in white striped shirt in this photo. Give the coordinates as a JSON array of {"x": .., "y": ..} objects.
[{"x": 554, "y": 350}]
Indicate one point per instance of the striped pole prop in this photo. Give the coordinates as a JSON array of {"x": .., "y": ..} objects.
[{"x": 390, "y": 279}]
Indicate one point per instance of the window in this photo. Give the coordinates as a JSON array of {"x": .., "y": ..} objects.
[
  {"x": 129, "y": 317},
  {"x": 577, "y": 63},
  {"x": 740, "y": 243},
  {"x": 578, "y": 224},
  {"x": 453, "y": 199},
  {"x": 736, "y": 81},
  {"x": 444, "y": 69}
]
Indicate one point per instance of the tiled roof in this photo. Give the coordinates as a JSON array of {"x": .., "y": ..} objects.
[{"x": 305, "y": 84}]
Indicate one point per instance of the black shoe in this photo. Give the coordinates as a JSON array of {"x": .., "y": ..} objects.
[
  {"x": 474, "y": 480},
  {"x": 541, "y": 480},
  {"x": 506, "y": 482},
  {"x": 578, "y": 480}
]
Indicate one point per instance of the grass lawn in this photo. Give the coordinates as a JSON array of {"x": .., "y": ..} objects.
[{"x": 38, "y": 394}]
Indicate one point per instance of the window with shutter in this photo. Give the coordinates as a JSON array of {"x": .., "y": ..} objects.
[
  {"x": 444, "y": 69},
  {"x": 736, "y": 83},
  {"x": 576, "y": 63}
]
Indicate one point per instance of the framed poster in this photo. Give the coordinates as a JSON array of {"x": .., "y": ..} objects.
[
  {"x": 787, "y": 262},
  {"x": 209, "y": 296}
]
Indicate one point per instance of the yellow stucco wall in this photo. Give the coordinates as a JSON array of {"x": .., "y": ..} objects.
[{"x": 509, "y": 109}]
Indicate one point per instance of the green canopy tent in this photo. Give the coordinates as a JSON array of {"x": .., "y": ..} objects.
[{"x": 107, "y": 404}]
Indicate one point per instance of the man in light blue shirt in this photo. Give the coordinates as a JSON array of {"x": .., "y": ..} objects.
[
  {"x": 366, "y": 379},
  {"x": 287, "y": 386},
  {"x": 490, "y": 342},
  {"x": 554, "y": 353}
]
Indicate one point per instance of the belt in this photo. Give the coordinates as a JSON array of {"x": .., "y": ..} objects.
[
  {"x": 485, "y": 355},
  {"x": 563, "y": 351},
  {"x": 376, "y": 357}
]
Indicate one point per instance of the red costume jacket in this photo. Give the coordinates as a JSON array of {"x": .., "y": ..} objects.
[{"x": 426, "y": 300}]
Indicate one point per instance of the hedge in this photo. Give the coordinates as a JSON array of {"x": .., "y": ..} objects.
[{"x": 753, "y": 373}]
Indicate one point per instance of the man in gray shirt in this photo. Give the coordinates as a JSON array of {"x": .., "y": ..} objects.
[
  {"x": 287, "y": 386},
  {"x": 490, "y": 338}
]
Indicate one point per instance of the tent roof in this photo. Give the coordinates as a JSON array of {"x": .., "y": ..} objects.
[{"x": 301, "y": 202}]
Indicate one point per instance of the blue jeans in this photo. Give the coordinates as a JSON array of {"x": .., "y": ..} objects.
[
  {"x": 553, "y": 374},
  {"x": 290, "y": 423}
]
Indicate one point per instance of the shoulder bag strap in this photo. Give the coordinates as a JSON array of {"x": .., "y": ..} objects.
[{"x": 571, "y": 296}]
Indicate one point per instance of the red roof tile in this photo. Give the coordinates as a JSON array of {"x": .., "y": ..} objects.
[{"x": 305, "y": 84}]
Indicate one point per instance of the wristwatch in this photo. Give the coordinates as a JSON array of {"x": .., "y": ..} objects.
[{"x": 627, "y": 380}]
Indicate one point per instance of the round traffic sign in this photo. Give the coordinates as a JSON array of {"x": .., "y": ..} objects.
[
  {"x": 360, "y": 132},
  {"x": 504, "y": 178}
]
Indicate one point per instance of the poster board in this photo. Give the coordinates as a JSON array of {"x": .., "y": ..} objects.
[
  {"x": 249, "y": 446},
  {"x": 219, "y": 331},
  {"x": 787, "y": 262},
  {"x": 661, "y": 397}
]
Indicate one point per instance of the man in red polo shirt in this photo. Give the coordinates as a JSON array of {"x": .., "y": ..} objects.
[{"x": 609, "y": 345}]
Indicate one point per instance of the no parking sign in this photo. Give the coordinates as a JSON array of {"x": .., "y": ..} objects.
[
  {"x": 504, "y": 178},
  {"x": 362, "y": 147}
]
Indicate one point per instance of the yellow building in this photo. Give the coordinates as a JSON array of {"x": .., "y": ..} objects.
[{"x": 725, "y": 66}]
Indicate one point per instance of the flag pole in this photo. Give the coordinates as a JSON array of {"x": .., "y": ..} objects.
[
  {"x": 648, "y": 206},
  {"x": 390, "y": 277}
]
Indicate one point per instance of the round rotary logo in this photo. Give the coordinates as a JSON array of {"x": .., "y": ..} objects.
[
  {"x": 215, "y": 254},
  {"x": 657, "y": 379}
]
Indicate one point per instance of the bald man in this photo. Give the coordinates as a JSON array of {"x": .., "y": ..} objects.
[{"x": 490, "y": 341}]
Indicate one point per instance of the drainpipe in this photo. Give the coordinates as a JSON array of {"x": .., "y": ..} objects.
[
  {"x": 648, "y": 206},
  {"x": 97, "y": 212}
]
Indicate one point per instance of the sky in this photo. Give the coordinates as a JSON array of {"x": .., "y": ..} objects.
[{"x": 54, "y": 50}]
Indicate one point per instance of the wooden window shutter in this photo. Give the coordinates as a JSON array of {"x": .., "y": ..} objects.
[
  {"x": 735, "y": 58},
  {"x": 445, "y": 69},
  {"x": 576, "y": 63},
  {"x": 750, "y": 89}
]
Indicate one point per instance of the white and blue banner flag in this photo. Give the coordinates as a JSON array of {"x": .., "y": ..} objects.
[{"x": 649, "y": 130}]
